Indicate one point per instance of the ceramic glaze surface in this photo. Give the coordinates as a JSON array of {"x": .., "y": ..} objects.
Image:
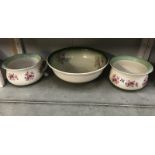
[
  {"x": 77, "y": 65},
  {"x": 20, "y": 63},
  {"x": 130, "y": 67},
  {"x": 129, "y": 73},
  {"x": 2, "y": 80},
  {"x": 78, "y": 60},
  {"x": 128, "y": 82},
  {"x": 23, "y": 69}
]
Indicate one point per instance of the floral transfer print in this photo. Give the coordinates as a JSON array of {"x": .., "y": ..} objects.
[
  {"x": 62, "y": 58},
  {"x": 12, "y": 76},
  {"x": 131, "y": 83},
  {"x": 29, "y": 76},
  {"x": 115, "y": 79},
  {"x": 98, "y": 62}
]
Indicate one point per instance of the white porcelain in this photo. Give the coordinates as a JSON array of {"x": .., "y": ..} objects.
[
  {"x": 24, "y": 69},
  {"x": 2, "y": 81},
  {"x": 129, "y": 73},
  {"x": 77, "y": 65}
]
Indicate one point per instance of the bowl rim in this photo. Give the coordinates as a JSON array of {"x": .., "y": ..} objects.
[
  {"x": 28, "y": 55},
  {"x": 84, "y": 73},
  {"x": 146, "y": 63}
]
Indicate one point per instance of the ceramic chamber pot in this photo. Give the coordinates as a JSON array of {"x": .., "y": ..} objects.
[
  {"x": 77, "y": 65},
  {"x": 2, "y": 73},
  {"x": 24, "y": 69},
  {"x": 129, "y": 73}
]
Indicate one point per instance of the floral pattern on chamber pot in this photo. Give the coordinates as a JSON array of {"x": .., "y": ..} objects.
[
  {"x": 129, "y": 73},
  {"x": 24, "y": 69}
]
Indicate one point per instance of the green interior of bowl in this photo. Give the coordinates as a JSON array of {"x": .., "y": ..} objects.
[
  {"x": 21, "y": 61},
  {"x": 131, "y": 65},
  {"x": 77, "y": 60}
]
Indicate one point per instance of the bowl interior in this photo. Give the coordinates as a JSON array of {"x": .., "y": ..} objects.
[
  {"x": 77, "y": 60},
  {"x": 22, "y": 61},
  {"x": 131, "y": 65}
]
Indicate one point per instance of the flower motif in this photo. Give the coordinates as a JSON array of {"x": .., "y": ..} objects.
[
  {"x": 131, "y": 83},
  {"x": 98, "y": 62},
  {"x": 115, "y": 79},
  {"x": 29, "y": 76},
  {"x": 12, "y": 76},
  {"x": 62, "y": 58}
]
